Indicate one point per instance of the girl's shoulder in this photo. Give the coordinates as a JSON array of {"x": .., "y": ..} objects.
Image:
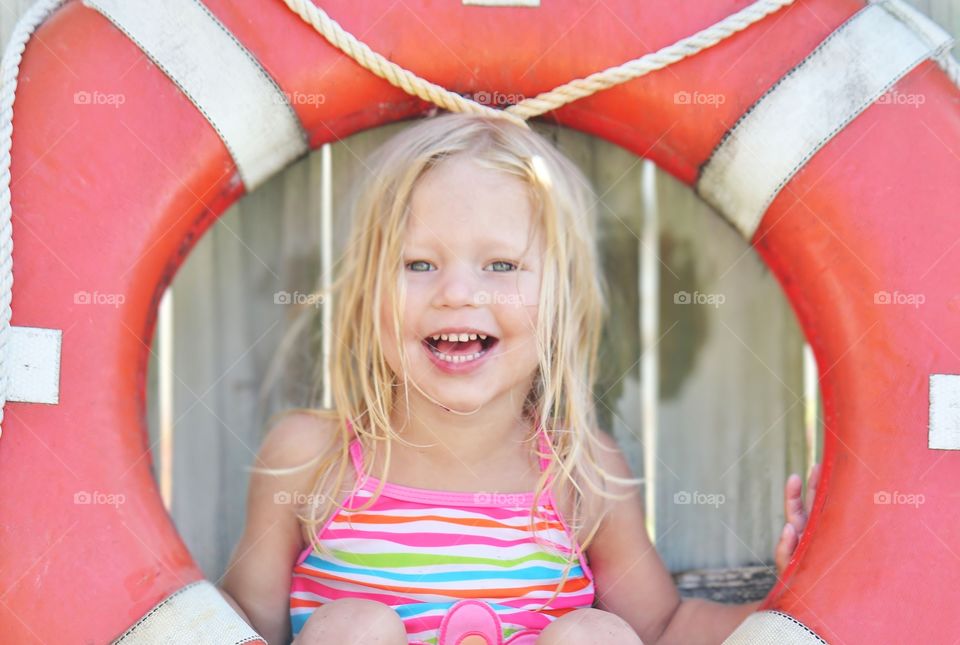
[
  {"x": 298, "y": 443},
  {"x": 298, "y": 434}
]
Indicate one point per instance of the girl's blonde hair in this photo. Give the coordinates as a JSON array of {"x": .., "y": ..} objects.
[{"x": 572, "y": 307}]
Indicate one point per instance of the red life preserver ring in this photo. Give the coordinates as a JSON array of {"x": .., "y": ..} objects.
[{"x": 859, "y": 224}]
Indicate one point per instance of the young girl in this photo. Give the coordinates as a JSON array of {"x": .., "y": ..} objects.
[{"x": 460, "y": 491}]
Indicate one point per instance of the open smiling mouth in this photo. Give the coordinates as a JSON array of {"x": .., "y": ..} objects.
[{"x": 449, "y": 347}]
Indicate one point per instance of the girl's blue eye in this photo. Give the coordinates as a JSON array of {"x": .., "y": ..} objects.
[
  {"x": 510, "y": 266},
  {"x": 410, "y": 265},
  {"x": 502, "y": 262}
]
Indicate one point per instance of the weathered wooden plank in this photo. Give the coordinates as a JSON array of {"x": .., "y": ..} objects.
[
  {"x": 229, "y": 315},
  {"x": 731, "y": 410},
  {"x": 349, "y": 169},
  {"x": 196, "y": 365},
  {"x": 297, "y": 221},
  {"x": 728, "y": 373},
  {"x": 736, "y": 585}
]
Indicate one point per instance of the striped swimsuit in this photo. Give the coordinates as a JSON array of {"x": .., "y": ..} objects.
[{"x": 424, "y": 552}]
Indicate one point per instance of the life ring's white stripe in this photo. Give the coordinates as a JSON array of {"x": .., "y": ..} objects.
[
  {"x": 773, "y": 627},
  {"x": 195, "y": 615},
  {"x": 220, "y": 76},
  {"x": 34, "y": 365},
  {"x": 944, "y": 430},
  {"x": 848, "y": 71}
]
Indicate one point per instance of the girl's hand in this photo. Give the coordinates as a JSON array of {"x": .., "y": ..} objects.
[{"x": 797, "y": 510}]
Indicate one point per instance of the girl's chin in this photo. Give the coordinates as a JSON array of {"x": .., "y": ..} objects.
[{"x": 429, "y": 391}]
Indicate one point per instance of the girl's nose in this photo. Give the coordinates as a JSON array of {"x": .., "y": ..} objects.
[{"x": 459, "y": 287}]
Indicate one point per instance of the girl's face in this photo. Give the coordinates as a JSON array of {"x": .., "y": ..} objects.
[{"x": 470, "y": 271}]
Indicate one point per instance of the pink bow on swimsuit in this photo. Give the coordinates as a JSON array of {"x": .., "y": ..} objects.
[{"x": 477, "y": 618}]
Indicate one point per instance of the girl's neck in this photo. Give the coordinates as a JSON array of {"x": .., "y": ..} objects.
[{"x": 473, "y": 439}]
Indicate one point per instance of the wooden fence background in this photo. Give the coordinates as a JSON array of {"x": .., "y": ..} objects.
[{"x": 725, "y": 396}]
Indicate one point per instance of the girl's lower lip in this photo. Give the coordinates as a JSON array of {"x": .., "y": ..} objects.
[{"x": 457, "y": 368}]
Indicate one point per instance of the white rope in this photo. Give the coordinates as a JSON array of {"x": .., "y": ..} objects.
[
  {"x": 9, "y": 69},
  {"x": 547, "y": 101}
]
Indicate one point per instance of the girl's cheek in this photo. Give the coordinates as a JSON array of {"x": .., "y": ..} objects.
[
  {"x": 519, "y": 303},
  {"x": 417, "y": 299},
  {"x": 528, "y": 291}
]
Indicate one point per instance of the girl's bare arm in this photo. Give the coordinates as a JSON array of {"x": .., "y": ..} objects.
[
  {"x": 630, "y": 577},
  {"x": 257, "y": 578},
  {"x": 633, "y": 582}
]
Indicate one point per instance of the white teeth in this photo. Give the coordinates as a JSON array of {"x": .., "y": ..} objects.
[
  {"x": 458, "y": 358},
  {"x": 462, "y": 338}
]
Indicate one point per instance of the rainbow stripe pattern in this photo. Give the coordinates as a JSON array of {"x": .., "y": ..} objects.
[{"x": 420, "y": 551}]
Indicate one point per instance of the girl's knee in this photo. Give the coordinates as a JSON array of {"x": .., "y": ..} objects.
[
  {"x": 588, "y": 626},
  {"x": 353, "y": 621}
]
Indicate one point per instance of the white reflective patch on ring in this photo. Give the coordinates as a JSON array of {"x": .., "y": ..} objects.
[
  {"x": 220, "y": 76},
  {"x": 771, "y": 626},
  {"x": 845, "y": 74},
  {"x": 197, "y": 614},
  {"x": 33, "y": 365},
  {"x": 944, "y": 428}
]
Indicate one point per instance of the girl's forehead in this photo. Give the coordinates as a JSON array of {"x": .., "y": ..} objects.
[
  {"x": 496, "y": 230},
  {"x": 459, "y": 195}
]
